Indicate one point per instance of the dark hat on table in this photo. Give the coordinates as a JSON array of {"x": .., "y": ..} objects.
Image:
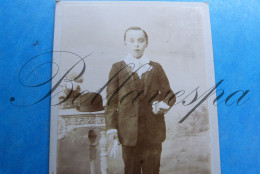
[{"x": 90, "y": 102}]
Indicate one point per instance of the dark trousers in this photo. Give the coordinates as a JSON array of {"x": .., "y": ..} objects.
[{"x": 140, "y": 157}]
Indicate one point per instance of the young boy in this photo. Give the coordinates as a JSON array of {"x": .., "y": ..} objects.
[{"x": 138, "y": 96}]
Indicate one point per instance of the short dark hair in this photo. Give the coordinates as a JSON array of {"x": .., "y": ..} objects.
[{"x": 136, "y": 28}]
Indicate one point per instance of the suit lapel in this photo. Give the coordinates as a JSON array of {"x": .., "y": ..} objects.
[
  {"x": 148, "y": 79},
  {"x": 129, "y": 76}
]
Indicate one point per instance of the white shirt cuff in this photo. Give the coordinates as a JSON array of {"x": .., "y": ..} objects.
[
  {"x": 159, "y": 105},
  {"x": 163, "y": 105},
  {"x": 110, "y": 131}
]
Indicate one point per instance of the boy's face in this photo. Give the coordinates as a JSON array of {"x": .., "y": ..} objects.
[{"x": 136, "y": 42}]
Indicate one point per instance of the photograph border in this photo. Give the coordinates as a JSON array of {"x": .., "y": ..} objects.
[{"x": 213, "y": 116}]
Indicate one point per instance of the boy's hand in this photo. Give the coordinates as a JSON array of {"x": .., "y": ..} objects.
[
  {"x": 114, "y": 153},
  {"x": 160, "y": 107},
  {"x": 155, "y": 107}
]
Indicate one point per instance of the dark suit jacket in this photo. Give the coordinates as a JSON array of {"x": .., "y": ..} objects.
[{"x": 124, "y": 102}]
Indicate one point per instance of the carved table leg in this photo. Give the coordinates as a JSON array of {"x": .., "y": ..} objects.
[
  {"x": 92, "y": 158},
  {"x": 92, "y": 138},
  {"x": 103, "y": 149}
]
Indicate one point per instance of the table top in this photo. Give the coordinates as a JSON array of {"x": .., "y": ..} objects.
[{"x": 74, "y": 111}]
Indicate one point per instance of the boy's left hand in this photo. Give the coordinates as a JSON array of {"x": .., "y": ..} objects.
[{"x": 160, "y": 107}]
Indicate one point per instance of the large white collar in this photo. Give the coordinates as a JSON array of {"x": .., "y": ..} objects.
[
  {"x": 129, "y": 59},
  {"x": 140, "y": 65}
]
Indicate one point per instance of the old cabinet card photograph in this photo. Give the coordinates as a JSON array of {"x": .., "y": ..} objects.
[{"x": 133, "y": 89}]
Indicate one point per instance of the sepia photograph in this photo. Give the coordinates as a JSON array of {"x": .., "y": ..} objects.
[{"x": 134, "y": 89}]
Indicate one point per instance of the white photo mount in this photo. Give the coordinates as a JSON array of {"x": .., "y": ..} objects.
[{"x": 184, "y": 50}]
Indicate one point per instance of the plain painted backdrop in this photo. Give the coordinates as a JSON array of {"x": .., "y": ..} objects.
[{"x": 24, "y": 131}]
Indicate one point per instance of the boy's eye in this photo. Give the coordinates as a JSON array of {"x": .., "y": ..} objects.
[
  {"x": 141, "y": 40},
  {"x": 131, "y": 40}
]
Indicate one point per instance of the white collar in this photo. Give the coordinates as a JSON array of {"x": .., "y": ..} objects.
[
  {"x": 140, "y": 66},
  {"x": 130, "y": 60}
]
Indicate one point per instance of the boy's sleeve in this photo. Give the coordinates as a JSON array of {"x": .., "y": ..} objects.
[
  {"x": 111, "y": 114},
  {"x": 167, "y": 95}
]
